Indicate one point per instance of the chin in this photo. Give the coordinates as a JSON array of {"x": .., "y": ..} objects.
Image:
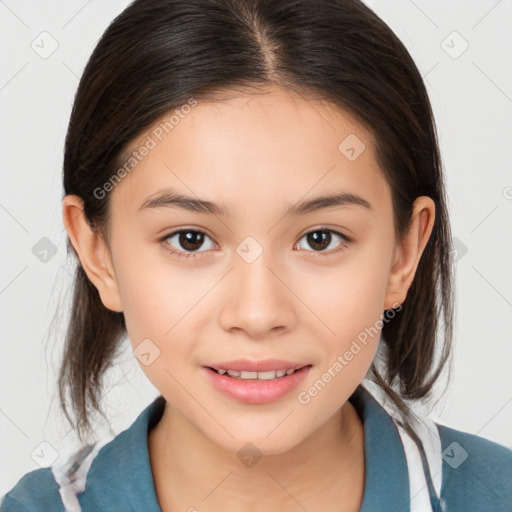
[{"x": 271, "y": 438}]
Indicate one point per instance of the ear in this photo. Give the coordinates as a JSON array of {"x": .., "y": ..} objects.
[
  {"x": 408, "y": 251},
  {"x": 92, "y": 251}
]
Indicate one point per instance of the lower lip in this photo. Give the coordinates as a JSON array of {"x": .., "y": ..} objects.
[{"x": 256, "y": 391}]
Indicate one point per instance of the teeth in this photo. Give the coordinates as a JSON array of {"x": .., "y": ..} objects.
[
  {"x": 263, "y": 375},
  {"x": 248, "y": 375},
  {"x": 269, "y": 375}
]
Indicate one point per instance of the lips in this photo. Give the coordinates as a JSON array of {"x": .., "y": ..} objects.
[
  {"x": 261, "y": 390},
  {"x": 264, "y": 365}
]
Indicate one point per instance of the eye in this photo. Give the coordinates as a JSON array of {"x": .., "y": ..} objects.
[
  {"x": 321, "y": 238},
  {"x": 188, "y": 239}
]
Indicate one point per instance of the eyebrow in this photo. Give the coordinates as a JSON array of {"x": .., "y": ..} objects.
[{"x": 168, "y": 198}]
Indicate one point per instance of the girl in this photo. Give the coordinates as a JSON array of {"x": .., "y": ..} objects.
[{"x": 254, "y": 194}]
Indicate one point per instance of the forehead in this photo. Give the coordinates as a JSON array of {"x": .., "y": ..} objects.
[{"x": 273, "y": 146}]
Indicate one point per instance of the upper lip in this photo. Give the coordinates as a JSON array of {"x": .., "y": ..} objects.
[{"x": 257, "y": 366}]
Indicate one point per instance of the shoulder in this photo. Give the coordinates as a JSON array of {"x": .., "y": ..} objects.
[
  {"x": 54, "y": 488},
  {"x": 57, "y": 487},
  {"x": 37, "y": 490},
  {"x": 88, "y": 474},
  {"x": 477, "y": 472}
]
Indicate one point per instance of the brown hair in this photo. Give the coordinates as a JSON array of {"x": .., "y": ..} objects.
[{"x": 157, "y": 54}]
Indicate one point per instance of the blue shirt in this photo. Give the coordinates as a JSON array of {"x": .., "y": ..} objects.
[{"x": 120, "y": 477}]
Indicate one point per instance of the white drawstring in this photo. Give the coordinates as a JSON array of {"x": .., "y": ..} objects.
[
  {"x": 72, "y": 474},
  {"x": 427, "y": 432}
]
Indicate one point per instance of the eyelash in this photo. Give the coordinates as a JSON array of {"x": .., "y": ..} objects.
[{"x": 181, "y": 254}]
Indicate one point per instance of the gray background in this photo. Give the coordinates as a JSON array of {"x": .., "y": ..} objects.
[{"x": 471, "y": 92}]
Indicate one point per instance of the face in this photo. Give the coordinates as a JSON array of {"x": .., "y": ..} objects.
[{"x": 251, "y": 281}]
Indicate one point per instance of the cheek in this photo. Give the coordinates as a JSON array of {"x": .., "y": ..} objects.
[
  {"x": 155, "y": 293},
  {"x": 348, "y": 303},
  {"x": 163, "y": 309},
  {"x": 348, "y": 297},
  {"x": 158, "y": 321}
]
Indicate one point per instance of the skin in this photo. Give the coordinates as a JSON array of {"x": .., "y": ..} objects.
[{"x": 255, "y": 155}]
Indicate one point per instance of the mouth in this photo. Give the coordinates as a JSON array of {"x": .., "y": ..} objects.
[
  {"x": 248, "y": 375},
  {"x": 259, "y": 366},
  {"x": 256, "y": 386}
]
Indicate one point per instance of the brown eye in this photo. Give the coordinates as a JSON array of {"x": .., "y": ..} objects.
[
  {"x": 190, "y": 240},
  {"x": 185, "y": 240},
  {"x": 321, "y": 239}
]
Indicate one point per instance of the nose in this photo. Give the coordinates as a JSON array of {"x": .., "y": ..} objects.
[{"x": 257, "y": 301}]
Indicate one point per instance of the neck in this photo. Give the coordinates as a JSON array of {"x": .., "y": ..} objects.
[{"x": 324, "y": 472}]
